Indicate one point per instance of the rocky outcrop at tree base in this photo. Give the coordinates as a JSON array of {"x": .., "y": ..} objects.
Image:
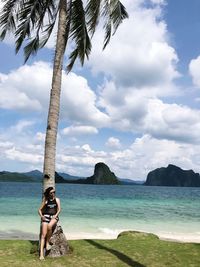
[
  {"x": 60, "y": 246},
  {"x": 173, "y": 176},
  {"x": 102, "y": 175}
]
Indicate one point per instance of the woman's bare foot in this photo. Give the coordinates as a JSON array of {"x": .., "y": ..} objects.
[{"x": 41, "y": 258}]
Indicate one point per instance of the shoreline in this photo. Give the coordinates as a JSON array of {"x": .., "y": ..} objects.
[{"x": 180, "y": 238}]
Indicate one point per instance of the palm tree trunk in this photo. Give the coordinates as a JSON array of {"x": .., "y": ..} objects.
[
  {"x": 54, "y": 106},
  {"x": 59, "y": 242}
]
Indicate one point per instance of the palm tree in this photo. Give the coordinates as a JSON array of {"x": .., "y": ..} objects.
[{"x": 32, "y": 23}]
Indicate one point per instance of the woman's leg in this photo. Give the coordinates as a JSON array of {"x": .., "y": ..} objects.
[
  {"x": 49, "y": 231},
  {"x": 42, "y": 239}
]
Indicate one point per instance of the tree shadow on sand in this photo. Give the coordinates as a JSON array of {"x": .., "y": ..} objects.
[{"x": 122, "y": 257}]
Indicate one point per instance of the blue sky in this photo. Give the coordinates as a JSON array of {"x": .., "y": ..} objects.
[{"x": 134, "y": 106}]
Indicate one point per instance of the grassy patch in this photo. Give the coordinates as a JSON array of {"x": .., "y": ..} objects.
[{"x": 130, "y": 249}]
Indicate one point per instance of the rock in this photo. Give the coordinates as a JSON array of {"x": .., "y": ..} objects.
[
  {"x": 173, "y": 176},
  {"x": 59, "y": 242},
  {"x": 102, "y": 175}
]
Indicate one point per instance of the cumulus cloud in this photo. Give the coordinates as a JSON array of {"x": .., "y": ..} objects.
[
  {"x": 194, "y": 71},
  {"x": 79, "y": 160},
  {"x": 79, "y": 130},
  {"x": 147, "y": 153},
  {"x": 19, "y": 92},
  {"x": 138, "y": 67},
  {"x": 135, "y": 161},
  {"x": 113, "y": 143},
  {"x": 137, "y": 111},
  {"x": 78, "y": 101},
  {"x": 141, "y": 57},
  {"x": 21, "y": 125},
  {"x": 172, "y": 121},
  {"x": 6, "y": 144},
  {"x": 40, "y": 136},
  {"x": 18, "y": 155},
  {"x": 144, "y": 154}
]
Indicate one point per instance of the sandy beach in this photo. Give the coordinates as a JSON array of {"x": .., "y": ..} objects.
[{"x": 20, "y": 235}]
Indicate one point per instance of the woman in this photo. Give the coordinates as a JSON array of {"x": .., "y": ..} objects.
[{"x": 48, "y": 211}]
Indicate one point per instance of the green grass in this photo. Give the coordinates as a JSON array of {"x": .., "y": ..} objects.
[{"x": 130, "y": 249}]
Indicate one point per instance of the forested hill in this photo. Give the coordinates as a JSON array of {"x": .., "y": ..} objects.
[
  {"x": 173, "y": 176},
  {"x": 102, "y": 175}
]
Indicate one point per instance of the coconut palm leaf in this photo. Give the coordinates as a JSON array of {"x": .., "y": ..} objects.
[
  {"x": 118, "y": 14},
  {"x": 43, "y": 32},
  {"x": 33, "y": 18},
  {"x": 79, "y": 34},
  {"x": 7, "y": 18},
  {"x": 92, "y": 11},
  {"x": 114, "y": 13}
]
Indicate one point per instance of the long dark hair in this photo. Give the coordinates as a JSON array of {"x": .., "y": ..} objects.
[{"x": 46, "y": 192}]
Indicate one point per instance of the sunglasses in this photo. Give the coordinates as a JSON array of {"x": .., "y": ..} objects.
[{"x": 52, "y": 192}]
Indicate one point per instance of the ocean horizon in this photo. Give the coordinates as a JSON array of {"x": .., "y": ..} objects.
[{"x": 103, "y": 211}]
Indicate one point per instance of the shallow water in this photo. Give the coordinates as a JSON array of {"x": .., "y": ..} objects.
[{"x": 90, "y": 211}]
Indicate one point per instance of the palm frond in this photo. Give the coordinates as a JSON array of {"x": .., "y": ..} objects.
[
  {"x": 31, "y": 18},
  {"x": 114, "y": 13},
  {"x": 46, "y": 34},
  {"x": 79, "y": 34},
  {"x": 73, "y": 56},
  {"x": 118, "y": 14},
  {"x": 31, "y": 48},
  {"x": 50, "y": 10},
  {"x": 7, "y": 17},
  {"x": 28, "y": 19},
  {"x": 106, "y": 14},
  {"x": 92, "y": 14}
]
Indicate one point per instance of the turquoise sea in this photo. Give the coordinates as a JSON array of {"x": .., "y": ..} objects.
[{"x": 97, "y": 211}]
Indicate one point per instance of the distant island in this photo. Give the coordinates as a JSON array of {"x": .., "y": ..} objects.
[
  {"x": 102, "y": 175},
  {"x": 173, "y": 176},
  {"x": 164, "y": 176}
]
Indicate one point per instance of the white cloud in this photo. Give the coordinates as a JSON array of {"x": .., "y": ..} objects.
[
  {"x": 5, "y": 144},
  {"x": 21, "y": 156},
  {"x": 172, "y": 121},
  {"x": 139, "y": 67},
  {"x": 26, "y": 88},
  {"x": 139, "y": 54},
  {"x": 21, "y": 125},
  {"x": 79, "y": 130},
  {"x": 113, "y": 143},
  {"x": 78, "y": 101},
  {"x": 194, "y": 71},
  {"x": 40, "y": 136},
  {"x": 143, "y": 155},
  {"x": 137, "y": 111}
]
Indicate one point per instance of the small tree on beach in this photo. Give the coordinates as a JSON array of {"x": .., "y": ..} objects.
[{"x": 32, "y": 23}]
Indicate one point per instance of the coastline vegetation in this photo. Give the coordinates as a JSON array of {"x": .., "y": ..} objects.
[{"x": 129, "y": 249}]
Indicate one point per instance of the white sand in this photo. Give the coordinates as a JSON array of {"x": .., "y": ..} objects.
[{"x": 105, "y": 234}]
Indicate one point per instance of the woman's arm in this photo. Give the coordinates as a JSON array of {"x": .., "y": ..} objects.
[
  {"x": 58, "y": 208},
  {"x": 41, "y": 207}
]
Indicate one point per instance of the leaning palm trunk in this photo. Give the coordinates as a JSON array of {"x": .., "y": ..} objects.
[
  {"x": 54, "y": 106},
  {"x": 58, "y": 239}
]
